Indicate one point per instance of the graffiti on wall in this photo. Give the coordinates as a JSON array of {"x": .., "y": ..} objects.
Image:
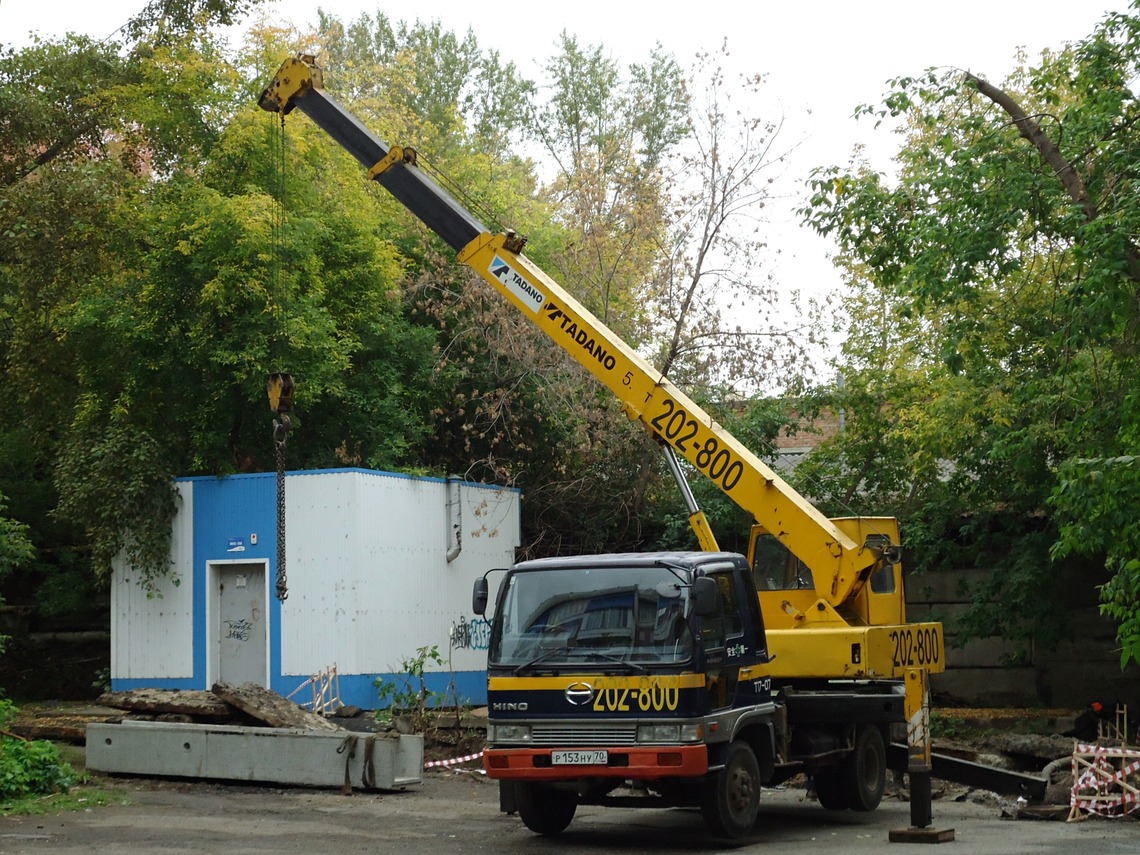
[
  {"x": 239, "y": 630},
  {"x": 471, "y": 635}
]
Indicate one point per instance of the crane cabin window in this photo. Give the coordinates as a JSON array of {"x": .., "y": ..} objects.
[{"x": 775, "y": 568}]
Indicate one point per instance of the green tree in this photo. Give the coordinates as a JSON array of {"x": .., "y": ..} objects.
[
  {"x": 16, "y": 549},
  {"x": 1001, "y": 263},
  {"x": 524, "y": 413},
  {"x": 154, "y": 286},
  {"x": 407, "y": 77},
  {"x": 606, "y": 132},
  {"x": 172, "y": 18}
]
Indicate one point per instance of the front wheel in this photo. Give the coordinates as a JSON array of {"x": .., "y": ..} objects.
[
  {"x": 732, "y": 796},
  {"x": 864, "y": 773},
  {"x": 545, "y": 810}
]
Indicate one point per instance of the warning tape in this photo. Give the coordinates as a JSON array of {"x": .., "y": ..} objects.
[{"x": 453, "y": 762}]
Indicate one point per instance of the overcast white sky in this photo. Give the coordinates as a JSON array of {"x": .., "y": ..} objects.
[{"x": 822, "y": 56}]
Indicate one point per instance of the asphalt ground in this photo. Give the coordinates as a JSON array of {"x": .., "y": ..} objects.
[{"x": 457, "y": 811}]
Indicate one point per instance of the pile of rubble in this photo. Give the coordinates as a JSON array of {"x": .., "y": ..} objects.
[{"x": 247, "y": 704}]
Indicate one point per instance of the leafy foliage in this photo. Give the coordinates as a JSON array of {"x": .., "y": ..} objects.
[
  {"x": 150, "y": 278},
  {"x": 168, "y": 18},
  {"x": 408, "y": 693},
  {"x": 29, "y": 767},
  {"x": 993, "y": 340},
  {"x": 118, "y": 488},
  {"x": 1097, "y": 499},
  {"x": 16, "y": 548}
]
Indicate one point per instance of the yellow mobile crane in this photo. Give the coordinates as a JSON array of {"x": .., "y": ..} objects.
[{"x": 839, "y": 657}]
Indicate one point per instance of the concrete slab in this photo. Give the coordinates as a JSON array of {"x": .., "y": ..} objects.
[{"x": 270, "y": 755}]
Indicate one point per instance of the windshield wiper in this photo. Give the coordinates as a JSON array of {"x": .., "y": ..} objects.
[
  {"x": 542, "y": 657},
  {"x": 578, "y": 651},
  {"x": 594, "y": 654}
]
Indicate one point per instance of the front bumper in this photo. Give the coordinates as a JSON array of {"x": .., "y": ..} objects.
[{"x": 635, "y": 763}]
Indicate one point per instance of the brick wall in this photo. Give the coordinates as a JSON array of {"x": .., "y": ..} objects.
[{"x": 824, "y": 427}]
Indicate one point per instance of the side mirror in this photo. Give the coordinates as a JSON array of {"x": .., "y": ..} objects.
[
  {"x": 704, "y": 596},
  {"x": 479, "y": 596}
]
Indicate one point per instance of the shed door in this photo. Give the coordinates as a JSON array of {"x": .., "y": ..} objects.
[{"x": 241, "y": 628}]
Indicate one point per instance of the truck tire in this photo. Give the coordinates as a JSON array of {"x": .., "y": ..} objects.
[
  {"x": 731, "y": 799},
  {"x": 544, "y": 810},
  {"x": 864, "y": 773},
  {"x": 829, "y": 788}
]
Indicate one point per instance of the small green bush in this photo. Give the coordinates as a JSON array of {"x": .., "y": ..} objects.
[
  {"x": 29, "y": 768},
  {"x": 408, "y": 694}
]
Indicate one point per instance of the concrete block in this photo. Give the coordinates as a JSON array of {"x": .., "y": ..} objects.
[
  {"x": 1092, "y": 651},
  {"x": 271, "y": 755},
  {"x": 995, "y": 652},
  {"x": 989, "y": 687},
  {"x": 944, "y": 587}
]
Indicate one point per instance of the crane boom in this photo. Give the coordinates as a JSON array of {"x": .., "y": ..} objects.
[{"x": 840, "y": 562}]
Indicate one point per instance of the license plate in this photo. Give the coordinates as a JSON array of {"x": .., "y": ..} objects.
[{"x": 579, "y": 758}]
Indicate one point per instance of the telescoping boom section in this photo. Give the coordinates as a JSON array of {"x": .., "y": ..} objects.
[{"x": 841, "y": 576}]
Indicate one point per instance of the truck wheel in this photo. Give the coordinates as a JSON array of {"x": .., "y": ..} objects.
[
  {"x": 829, "y": 789},
  {"x": 864, "y": 773},
  {"x": 544, "y": 810},
  {"x": 732, "y": 797}
]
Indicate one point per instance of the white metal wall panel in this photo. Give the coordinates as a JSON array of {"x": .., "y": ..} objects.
[
  {"x": 368, "y": 576},
  {"x": 153, "y": 636},
  {"x": 320, "y": 514}
]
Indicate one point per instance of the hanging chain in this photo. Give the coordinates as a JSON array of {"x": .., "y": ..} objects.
[
  {"x": 280, "y": 384},
  {"x": 280, "y": 429}
]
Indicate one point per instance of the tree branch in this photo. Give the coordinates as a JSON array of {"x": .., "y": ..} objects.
[{"x": 1049, "y": 152}]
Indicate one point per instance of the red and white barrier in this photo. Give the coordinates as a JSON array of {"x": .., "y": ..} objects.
[
  {"x": 1101, "y": 781},
  {"x": 453, "y": 762}
]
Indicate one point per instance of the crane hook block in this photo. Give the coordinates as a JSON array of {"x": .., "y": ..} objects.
[{"x": 280, "y": 390}]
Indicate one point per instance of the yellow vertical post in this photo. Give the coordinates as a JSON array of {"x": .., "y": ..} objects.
[
  {"x": 919, "y": 762},
  {"x": 918, "y": 720},
  {"x": 918, "y": 751}
]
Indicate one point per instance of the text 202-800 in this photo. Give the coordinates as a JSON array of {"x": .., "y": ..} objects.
[{"x": 712, "y": 458}]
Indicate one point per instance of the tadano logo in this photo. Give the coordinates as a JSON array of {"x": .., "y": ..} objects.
[{"x": 517, "y": 284}]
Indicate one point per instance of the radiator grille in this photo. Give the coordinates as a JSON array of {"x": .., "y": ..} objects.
[{"x": 560, "y": 734}]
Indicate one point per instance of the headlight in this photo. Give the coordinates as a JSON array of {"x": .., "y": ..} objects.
[
  {"x": 499, "y": 733},
  {"x": 669, "y": 733}
]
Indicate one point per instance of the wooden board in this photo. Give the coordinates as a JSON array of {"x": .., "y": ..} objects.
[{"x": 270, "y": 707}]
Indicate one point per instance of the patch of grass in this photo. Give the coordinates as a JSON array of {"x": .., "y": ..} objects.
[
  {"x": 88, "y": 790},
  {"x": 81, "y": 797},
  {"x": 948, "y": 727},
  {"x": 957, "y": 727}
]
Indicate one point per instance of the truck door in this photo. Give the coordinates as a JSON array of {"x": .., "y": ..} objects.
[{"x": 722, "y": 642}]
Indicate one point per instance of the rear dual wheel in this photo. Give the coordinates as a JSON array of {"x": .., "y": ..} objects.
[
  {"x": 829, "y": 788},
  {"x": 864, "y": 773},
  {"x": 858, "y": 782}
]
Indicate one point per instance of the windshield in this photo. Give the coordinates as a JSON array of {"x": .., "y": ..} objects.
[{"x": 610, "y": 615}]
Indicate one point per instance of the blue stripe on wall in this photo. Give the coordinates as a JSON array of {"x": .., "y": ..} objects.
[
  {"x": 359, "y": 690},
  {"x": 355, "y": 690}
]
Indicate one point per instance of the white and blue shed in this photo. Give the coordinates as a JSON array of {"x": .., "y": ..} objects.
[{"x": 377, "y": 564}]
